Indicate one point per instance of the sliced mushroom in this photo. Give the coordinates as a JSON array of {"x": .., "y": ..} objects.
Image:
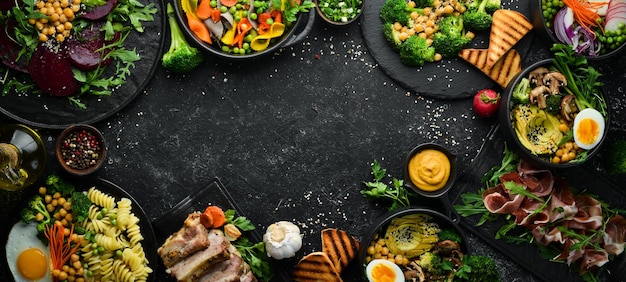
[
  {"x": 414, "y": 273},
  {"x": 536, "y": 76},
  {"x": 538, "y": 95},
  {"x": 554, "y": 80},
  {"x": 445, "y": 247},
  {"x": 568, "y": 107}
]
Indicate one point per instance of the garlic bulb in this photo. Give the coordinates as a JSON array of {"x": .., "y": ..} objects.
[{"x": 282, "y": 240}]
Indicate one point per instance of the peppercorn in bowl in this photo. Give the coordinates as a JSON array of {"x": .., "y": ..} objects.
[{"x": 81, "y": 149}]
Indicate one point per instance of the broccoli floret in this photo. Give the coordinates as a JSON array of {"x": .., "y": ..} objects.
[
  {"x": 415, "y": 51},
  {"x": 181, "y": 57},
  {"x": 521, "y": 93},
  {"x": 476, "y": 17},
  {"x": 392, "y": 36},
  {"x": 451, "y": 37},
  {"x": 616, "y": 160},
  {"x": 431, "y": 263},
  {"x": 449, "y": 234},
  {"x": 35, "y": 207},
  {"x": 477, "y": 268},
  {"x": 397, "y": 11},
  {"x": 423, "y": 3},
  {"x": 56, "y": 184},
  {"x": 80, "y": 206},
  {"x": 492, "y": 6},
  {"x": 553, "y": 103}
]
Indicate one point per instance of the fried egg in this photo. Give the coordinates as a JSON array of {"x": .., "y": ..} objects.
[
  {"x": 381, "y": 270},
  {"x": 588, "y": 128},
  {"x": 28, "y": 258}
]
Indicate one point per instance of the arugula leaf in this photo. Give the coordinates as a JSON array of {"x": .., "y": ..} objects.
[
  {"x": 509, "y": 163},
  {"x": 519, "y": 189}
]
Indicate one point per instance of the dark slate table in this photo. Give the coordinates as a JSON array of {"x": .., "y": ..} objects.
[{"x": 292, "y": 136}]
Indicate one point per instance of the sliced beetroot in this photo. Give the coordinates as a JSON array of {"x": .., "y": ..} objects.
[
  {"x": 82, "y": 48},
  {"x": 52, "y": 71},
  {"x": 9, "y": 49},
  {"x": 99, "y": 12}
]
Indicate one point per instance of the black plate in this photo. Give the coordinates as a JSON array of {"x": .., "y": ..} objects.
[
  {"x": 213, "y": 193},
  {"x": 82, "y": 184},
  {"x": 56, "y": 112},
  {"x": 446, "y": 79},
  {"x": 527, "y": 255}
]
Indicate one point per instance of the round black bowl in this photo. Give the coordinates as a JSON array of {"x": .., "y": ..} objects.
[
  {"x": 451, "y": 177},
  {"x": 539, "y": 25},
  {"x": 338, "y": 23},
  {"x": 506, "y": 125},
  {"x": 293, "y": 34},
  {"x": 381, "y": 224}
]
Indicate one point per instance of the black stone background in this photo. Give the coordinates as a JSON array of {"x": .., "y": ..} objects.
[{"x": 292, "y": 136}]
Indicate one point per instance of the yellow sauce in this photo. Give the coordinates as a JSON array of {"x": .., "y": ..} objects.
[{"x": 429, "y": 170}]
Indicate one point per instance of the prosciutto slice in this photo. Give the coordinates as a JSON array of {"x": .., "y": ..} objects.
[
  {"x": 499, "y": 200},
  {"x": 615, "y": 235},
  {"x": 589, "y": 215}
]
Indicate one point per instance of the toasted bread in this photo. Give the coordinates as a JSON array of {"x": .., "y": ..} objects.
[
  {"x": 340, "y": 247},
  {"x": 502, "y": 71},
  {"x": 507, "y": 28},
  {"x": 315, "y": 267}
]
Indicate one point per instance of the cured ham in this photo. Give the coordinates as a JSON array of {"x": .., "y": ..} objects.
[{"x": 556, "y": 217}]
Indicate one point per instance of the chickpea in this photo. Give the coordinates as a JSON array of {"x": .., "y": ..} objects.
[
  {"x": 448, "y": 9},
  {"x": 71, "y": 273},
  {"x": 569, "y": 146},
  {"x": 377, "y": 256},
  {"x": 69, "y": 217},
  {"x": 63, "y": 275},
  {"x": 56, "y": 195},
  {"x": 39, "y": 217},
  {"x": 65, "y": 268},
  {"x": 399, "y": 259},
  {"x": 371, "y": 250},
  {"x": 403, "y": 36},
  {"x": 392, "y": 260},
  {"x": 384, "y": 251},
  {"x": 54, "y": 202},
  {"x": 565, "y": 158},
  {"x": 438, "y": 57},
  {"x": 50, "y": 208},
  {"x": 571, "y": 155},
  {"x": 411, "y": 4},
  {"x": 55, "y": 272},
  {"x": 397, "y": 26},
  {"x": 67, "y": 206},
  {"x": 56, "y": 216},
  {"x": 556, "y": 160}
]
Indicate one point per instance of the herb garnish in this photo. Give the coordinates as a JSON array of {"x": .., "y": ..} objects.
[
  {"x": 378, "y": 190},
  {"x": 253, "y": 254}
]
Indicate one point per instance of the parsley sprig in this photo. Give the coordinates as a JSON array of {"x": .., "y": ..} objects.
[
  {"x": 253, "y": 253},
  {"x": 378, "y": 190}
]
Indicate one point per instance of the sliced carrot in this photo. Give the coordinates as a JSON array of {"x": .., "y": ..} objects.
[
  {"x": 198, "y": 28},
  {"x": 216, "y": 15},
  {"x": 219, "y": 218},
  {"x": 207, "y": 220},
  {"x": 204, "y": 10},
  {"x": 584, "y": 14},
  {"x": 278, "y": 16},
  {"x": 243, "y": 27},
  {"x": 228, "y": 3}
]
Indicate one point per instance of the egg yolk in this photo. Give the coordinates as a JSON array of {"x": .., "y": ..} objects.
[
  {"x": 32, "y": 264},
  {"x": 383, "y": 273},
  {"x": 587, "y": 131}
]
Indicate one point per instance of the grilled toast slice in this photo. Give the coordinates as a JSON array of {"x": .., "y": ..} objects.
[
  {"x": 340, "y": 247},
  {"x": 502, "y": 71},
  {"x": 507, "y": 28},
  {"x": 315, "y": 267}
]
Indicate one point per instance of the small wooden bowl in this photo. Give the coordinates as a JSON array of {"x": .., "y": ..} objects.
[
  {"x": 81, "y": 149},
  {"x": 339, "y": 23}
]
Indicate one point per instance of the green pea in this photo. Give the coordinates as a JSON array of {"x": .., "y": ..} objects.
[
  {"x": 270, "y": 21},
  {"x": 213, "y": 3},
  {"x": 223, "y": 9},
  {"x": 253, "y": 16},
  {"x": 232, "y": 10},
  {"x": 246, "y": 46},
  {"x": 225, "y": 48}
]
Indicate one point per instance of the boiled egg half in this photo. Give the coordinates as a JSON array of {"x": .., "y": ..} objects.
[
  {"x": 588, "y": 128},
  {"x": 381, "y": 270},
  {"x": 28, "y": 258}
]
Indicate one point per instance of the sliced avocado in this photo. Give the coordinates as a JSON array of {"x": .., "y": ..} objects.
[
  {"x": 537, "y": 130},
  {"x": 411, "y": 235}
]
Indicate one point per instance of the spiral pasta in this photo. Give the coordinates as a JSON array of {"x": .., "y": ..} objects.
[{"x": 114, "y": 252}]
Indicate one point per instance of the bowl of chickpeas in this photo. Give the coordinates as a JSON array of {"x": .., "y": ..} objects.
[{"x": 409, "y": 237}]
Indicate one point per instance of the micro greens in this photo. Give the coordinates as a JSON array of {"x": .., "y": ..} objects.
[
  {"x": 378, "y": 190},
  {"x": 254, "y": 254}
]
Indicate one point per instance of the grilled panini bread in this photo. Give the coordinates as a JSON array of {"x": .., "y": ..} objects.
[
  {"x": 340, "y": 247},
  {"x": 502, "y": 71},
  {"x": 315, "y": 267},
  {"x": 507, "y": 28}
]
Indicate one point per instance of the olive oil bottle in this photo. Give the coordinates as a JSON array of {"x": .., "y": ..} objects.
[{"x": 22, "y": 157}]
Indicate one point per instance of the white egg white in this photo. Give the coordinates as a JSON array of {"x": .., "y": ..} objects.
[
  {"x": 22, "y": 237},
  {"x": 396, "y": 269},
  {"x": 594, "y": 115}
]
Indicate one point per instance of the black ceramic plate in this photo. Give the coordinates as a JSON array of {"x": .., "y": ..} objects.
[
  {"x": 527, "y": 255},
  {"x": 213, "y": 193},
  {"x": 446, "y": 79},
  {"x": 82, "y": 184},
  {"x": 45, "y": 111}
]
